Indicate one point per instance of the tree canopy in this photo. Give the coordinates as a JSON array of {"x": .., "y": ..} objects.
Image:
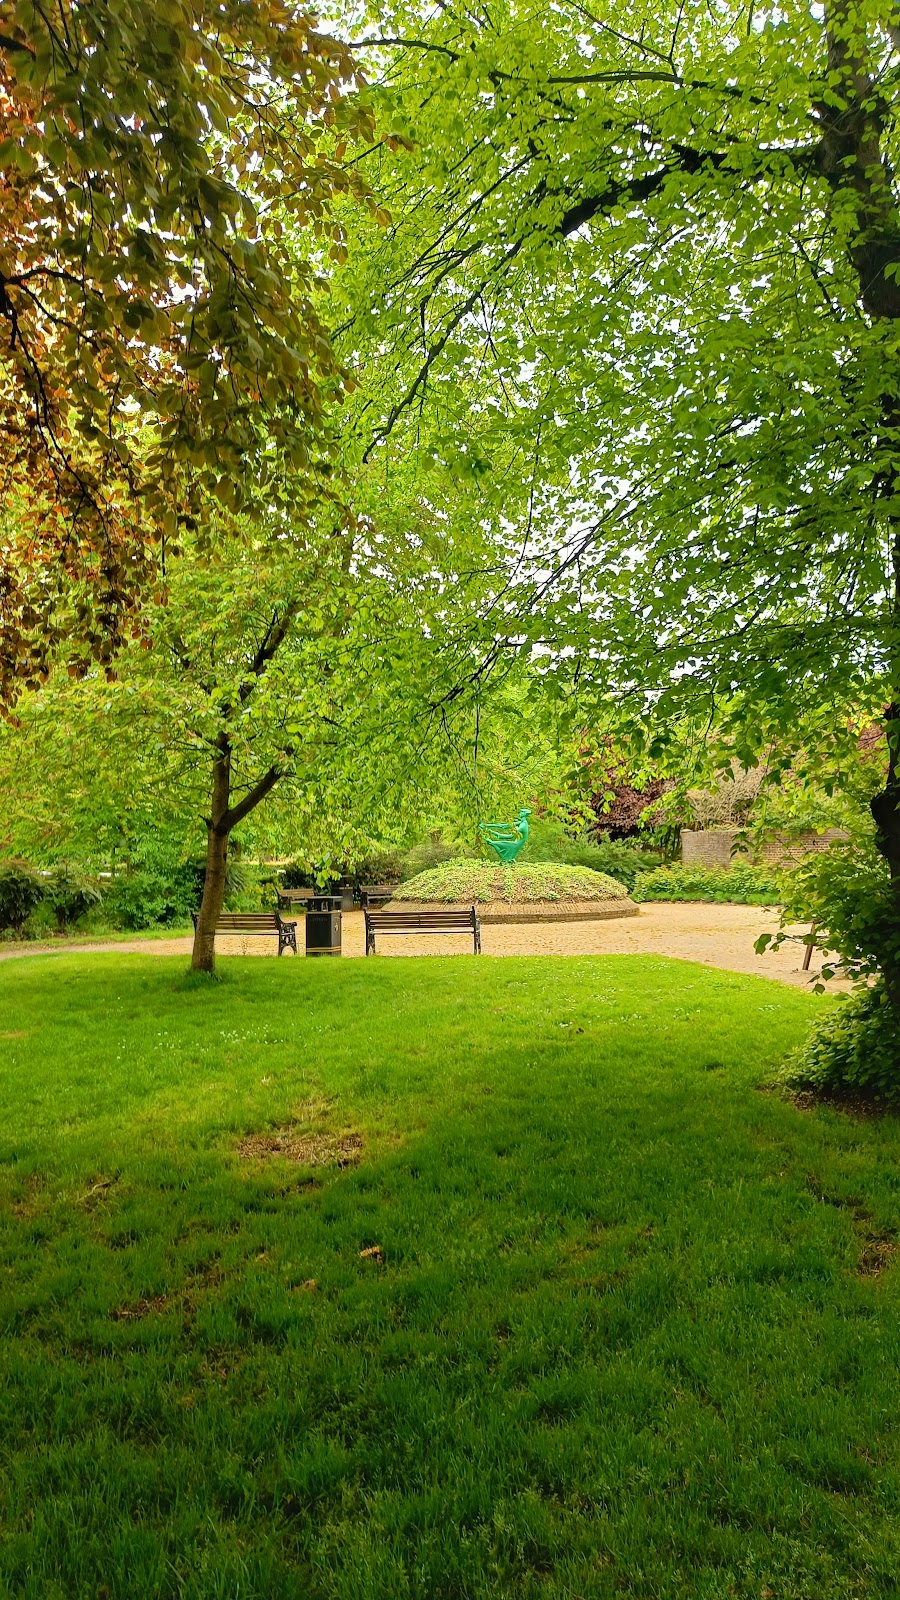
[
  {"x": 650, "y": 266},
  {"x": 158, "y": 165}
]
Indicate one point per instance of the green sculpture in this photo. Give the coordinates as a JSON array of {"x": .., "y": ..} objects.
[{"x": 505, "y": 838}]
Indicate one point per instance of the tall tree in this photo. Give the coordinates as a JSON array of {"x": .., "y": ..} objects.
[{"x": 667, "y": 248}]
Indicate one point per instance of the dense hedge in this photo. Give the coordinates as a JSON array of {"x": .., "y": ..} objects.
[
  {"x": 476, "y": 882},
  {"x": 739, "y": 885}
]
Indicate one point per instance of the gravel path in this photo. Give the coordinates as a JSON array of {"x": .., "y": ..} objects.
[{"x": 717, "y": 936}]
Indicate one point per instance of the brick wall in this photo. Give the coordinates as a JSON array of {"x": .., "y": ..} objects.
[{"x": 712, "y": 847}]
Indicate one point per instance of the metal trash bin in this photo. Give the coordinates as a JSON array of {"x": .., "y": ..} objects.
[{"x": 323, "y": 925}]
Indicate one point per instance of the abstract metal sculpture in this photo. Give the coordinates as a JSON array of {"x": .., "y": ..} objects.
[{"x": 506, "y": 838}]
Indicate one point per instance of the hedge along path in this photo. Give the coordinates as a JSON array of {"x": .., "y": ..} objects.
[{"x": 715, "y": 935}]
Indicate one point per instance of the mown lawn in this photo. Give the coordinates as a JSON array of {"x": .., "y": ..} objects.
[{"x": 631, "y": 1326}]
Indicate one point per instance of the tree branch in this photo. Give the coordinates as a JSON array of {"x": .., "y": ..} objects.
[{"x": 251, "y": 799}]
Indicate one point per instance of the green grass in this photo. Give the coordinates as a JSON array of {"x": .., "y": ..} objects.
[
  {"x": 87, "y": 935},
  {"x": 627, "y": 1336}
]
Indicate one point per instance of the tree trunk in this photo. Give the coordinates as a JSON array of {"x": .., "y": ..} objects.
[
  {"x": 203, "y": 956},
  {"x": 885, "y": 809},
  {"x": 223, "y": 817},
  {"x": 218, "y": 827},
  {"x": 854, "y": 163}
]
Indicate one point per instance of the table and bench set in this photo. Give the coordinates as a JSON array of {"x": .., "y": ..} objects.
[{"x": 270, "y": 924}]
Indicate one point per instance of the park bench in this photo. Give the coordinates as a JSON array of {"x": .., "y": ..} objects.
[
  {"x": 422, "y": 922},
  {"x": 370, "y": 892},
  {"x": 295, "y": 897},
  {"x": 258, "y": 922}
]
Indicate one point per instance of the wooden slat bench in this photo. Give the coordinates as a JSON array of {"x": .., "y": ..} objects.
[
  {"x": 258, "y": 922},
  {"x": 295, "y": 897},
  {"x": 369, "y": 892},
  {"x": 422, "y": 922}
]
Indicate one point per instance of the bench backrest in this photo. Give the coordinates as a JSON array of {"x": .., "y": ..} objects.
[{"x": 440, "y": 921}]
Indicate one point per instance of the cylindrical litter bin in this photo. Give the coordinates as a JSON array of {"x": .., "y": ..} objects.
[{"x": 323, "y": 925}]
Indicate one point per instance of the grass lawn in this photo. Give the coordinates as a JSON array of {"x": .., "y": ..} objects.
[
  {"x": 589, "y": 1316},
  {"x": 55, "y": 941}
]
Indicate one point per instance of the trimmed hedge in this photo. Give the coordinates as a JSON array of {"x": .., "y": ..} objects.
[
  {"x": 477, "y": 882},
  {"x": 738, "y": 885}
]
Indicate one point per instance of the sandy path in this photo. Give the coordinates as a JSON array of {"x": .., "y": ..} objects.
[{"x": 717, "y": 936}]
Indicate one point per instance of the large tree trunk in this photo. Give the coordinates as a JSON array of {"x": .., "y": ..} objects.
[
  {"x": 886, "y": 812},
  {"x": 852, "y": 158},
  {"x": 218, "y": 827}
]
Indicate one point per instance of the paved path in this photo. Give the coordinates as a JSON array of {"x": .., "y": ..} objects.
[{"x": 717, "y": 936}]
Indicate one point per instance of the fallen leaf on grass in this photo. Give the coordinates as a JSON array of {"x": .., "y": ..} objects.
[{"x": 374, "y": 1253}]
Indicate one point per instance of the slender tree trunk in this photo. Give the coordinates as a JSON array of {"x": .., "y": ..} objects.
[
  {"x": 218, "y": 827},
  {"x": 223, "y": 818}
]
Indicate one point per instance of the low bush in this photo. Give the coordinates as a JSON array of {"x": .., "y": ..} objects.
[
  {"x": 855, "y": 1049},
  {"x": 739, "y": 885},
  {"x": 165, "y": 895},
  {"x": 21, "y": 891},
  {"x": 468, "y": 882},
  {"x": 154, "y": 898},
  {"x": 623, "y": 862},
  {"x": 69, "y": 895},
  {"x": 847, "y": 890},
  {"x": 429, "y": 853},
  {"x": 619, "y": 861}
]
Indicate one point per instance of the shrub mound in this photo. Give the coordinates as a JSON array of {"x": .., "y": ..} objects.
[
  {"x": 479, "y": 882},
  {"x": 741, "y": 885},
  {"x": 855, "y": 1049}
]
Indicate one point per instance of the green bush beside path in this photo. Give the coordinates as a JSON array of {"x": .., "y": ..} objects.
[{"x": 737, "y": 885}]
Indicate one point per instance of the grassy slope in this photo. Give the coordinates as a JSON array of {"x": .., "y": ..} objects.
[{"x": 619, "y": 1343}]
